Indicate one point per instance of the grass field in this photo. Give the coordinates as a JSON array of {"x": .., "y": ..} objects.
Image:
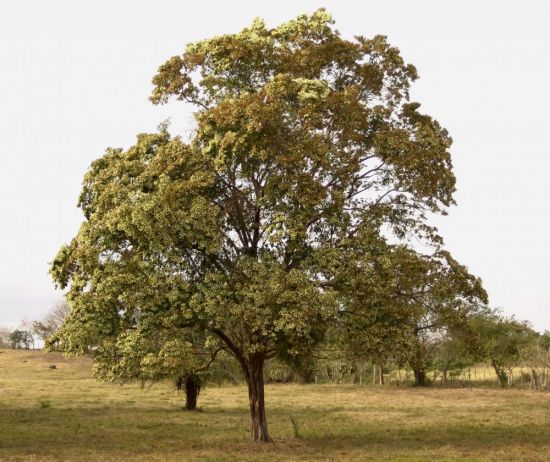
[{"x": 63, "y": 414}]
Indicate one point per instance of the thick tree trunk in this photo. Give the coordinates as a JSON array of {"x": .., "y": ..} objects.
[
  {"x": 192, "y": 390},
  {"x": 381, "y": 368},
  {"x": 355, "y": 373},
  {"x": 419, "y": 364},
  {"x": 254, "y": 373},
  {"x": 419, "y": 377}
]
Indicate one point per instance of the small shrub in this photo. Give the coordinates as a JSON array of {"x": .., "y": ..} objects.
[{"x": 44, "y": 404}]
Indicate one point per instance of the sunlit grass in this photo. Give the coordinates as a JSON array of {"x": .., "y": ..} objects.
[{"x": 90, "y": 421}]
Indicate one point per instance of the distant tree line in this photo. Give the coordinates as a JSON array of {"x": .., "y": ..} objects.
[
  {"x": 16, "y": 338},
  {"x": 25, "y": 335},
  {"x": 441, "y": 355}
]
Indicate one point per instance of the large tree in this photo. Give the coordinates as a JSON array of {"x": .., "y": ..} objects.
[{"x": 306, "y": 149}]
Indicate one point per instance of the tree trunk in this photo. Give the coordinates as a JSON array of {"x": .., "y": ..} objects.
[
  {"x": 381, "y": 368},
  {"x": 419, "y": 364},
  {"x": 254, "y": 373},
  {"x": 356, "y": 376},
  {"x": 501, "y": 374},
  {"x": 535, "y": 379},
  {"x": 192, "y": 390},
  {"x": 308, "y": 375},
  {"x": 419, "y": 377}
]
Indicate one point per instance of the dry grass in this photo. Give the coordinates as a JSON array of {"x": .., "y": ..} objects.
[{"x": 63, "y": 414}]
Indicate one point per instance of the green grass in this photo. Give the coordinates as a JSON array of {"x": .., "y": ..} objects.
[{"x": 63, "y": 414}]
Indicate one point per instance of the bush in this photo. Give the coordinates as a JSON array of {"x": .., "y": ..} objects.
[{"x": 44, "y": 404}]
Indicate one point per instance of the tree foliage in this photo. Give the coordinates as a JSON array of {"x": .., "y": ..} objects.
[
  {"x": 500, "y": 341},
  {"x": 536, "y": 356},
  {"x": 416, "y": 298},
  {"x": 21, "y": 339}
]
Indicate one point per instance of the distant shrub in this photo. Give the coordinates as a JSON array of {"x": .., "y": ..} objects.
[{"x": 44, "y": 404}]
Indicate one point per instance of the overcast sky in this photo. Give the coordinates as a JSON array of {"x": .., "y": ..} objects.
[{"x": 75, "y": 78}]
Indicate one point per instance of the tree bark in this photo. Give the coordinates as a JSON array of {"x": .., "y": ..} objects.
[
  {"x": 419, "y": 377},
  {"x": 535, "y": 379},
  {"x": 445, "y": 371},
  {"x": 192, "y": 390},
  {"x": 501, "y": 374},
  {"x": 307, "y": 375},
  {"x": 254, "y": 373},
  {"x": 356, "y": 376}
]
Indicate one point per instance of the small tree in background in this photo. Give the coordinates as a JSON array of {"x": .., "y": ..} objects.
[
  {"x": 454, "y": 351},
  {"x": 416, "y": 298},
  {"x": 500, "y": 341},
  {"x": 5, "y": 337},
  {"x": 536, "y": 356},
  {"x": 179, "y": 355},
  {"x": 52, "y": 322},
  {"x": 21, "y": 339}
]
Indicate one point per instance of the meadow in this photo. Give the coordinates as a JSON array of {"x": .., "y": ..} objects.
[{"x": 63, "y": 414}]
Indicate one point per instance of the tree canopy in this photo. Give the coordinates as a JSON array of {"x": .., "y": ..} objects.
[
  {"x": 500, "y": 341},
  {"x": 307, "y": 160}
]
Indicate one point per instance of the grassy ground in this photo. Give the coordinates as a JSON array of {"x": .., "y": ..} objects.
[{"x": 63, "y": 414}]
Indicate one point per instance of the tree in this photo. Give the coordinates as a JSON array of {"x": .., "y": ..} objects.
[
  {"x": 417, "y": 298},
  {"x": 536, "y": 355},
  {"x": 21, "y": 339},
  {"x": 453, "y": 352},
  {"x": 5, "y": 337},
  {"x": 306, "y": 150},
  {"x": 500, "y": 341},
  {"x": 444, "y": 297},
  {"x": 53, "y": 320},
  {"x": 146, "y": 355}
]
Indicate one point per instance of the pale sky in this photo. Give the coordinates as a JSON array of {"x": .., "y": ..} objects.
[{"x": 75, "y": 78}]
